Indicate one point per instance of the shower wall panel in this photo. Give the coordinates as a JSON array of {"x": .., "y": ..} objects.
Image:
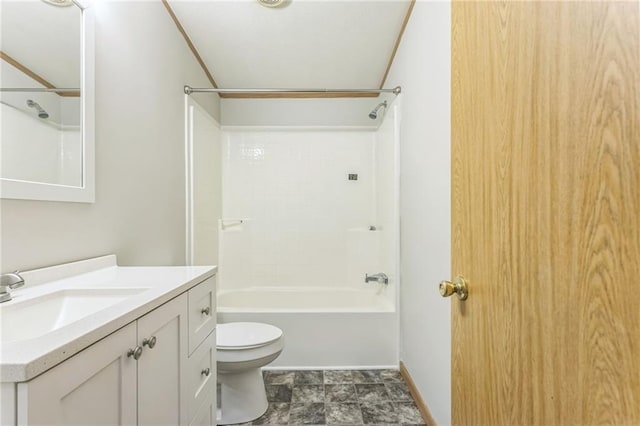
[
  {"x": 386, "y": 200},
  {"x": 291, "y": 214},
  {"x": 54, "y": 152}
]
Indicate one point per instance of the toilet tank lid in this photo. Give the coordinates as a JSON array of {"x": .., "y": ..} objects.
[{"x": 245, "y": 334}]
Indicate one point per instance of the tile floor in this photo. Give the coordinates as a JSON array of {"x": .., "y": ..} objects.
[{"x": 338, "y": 397}]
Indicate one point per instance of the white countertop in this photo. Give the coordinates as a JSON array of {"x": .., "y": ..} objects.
[{"x": 22, "y": 360}]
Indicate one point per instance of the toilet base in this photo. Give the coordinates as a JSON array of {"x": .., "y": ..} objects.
[{"x": 242, "y": 396}]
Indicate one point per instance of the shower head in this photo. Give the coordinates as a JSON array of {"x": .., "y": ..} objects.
[
  {"x": 41, "y": 112},
  {"x": 374, "y": 114}
]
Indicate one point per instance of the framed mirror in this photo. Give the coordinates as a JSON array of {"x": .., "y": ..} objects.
[{"x": 46, "y": 100}]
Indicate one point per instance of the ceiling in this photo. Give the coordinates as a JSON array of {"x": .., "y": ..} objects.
[
  {"x": 324, "y": 44},
  {"x": 43, "y": 38}
]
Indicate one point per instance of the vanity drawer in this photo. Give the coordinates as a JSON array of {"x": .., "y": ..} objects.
[
  {"x": 201, "y": 375},
  {"x": 202, "y": 312}
]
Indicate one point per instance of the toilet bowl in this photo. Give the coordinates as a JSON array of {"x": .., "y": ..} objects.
[{"x": 242, "y": 348}]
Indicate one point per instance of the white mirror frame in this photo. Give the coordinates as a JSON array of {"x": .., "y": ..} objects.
[{"x": 24, "y": 190}]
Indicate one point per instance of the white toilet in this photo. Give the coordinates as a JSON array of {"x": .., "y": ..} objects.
[{"x": 242, "y": 348}]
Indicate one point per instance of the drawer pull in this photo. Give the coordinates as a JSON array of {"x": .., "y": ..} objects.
[
  {"x": 206, "y": 371},
  {"x": 149, "y": 342},
  {"x": 205, "y": 311},
  {"x": 135, "y": 353}
]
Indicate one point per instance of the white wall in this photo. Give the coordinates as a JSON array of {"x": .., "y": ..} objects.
[
  {"x": 142, "y": 63},
  {"x": 422, "y": 67}
]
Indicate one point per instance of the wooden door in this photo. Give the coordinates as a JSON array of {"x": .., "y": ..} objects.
[
  {"x": 546, "y": 212},
  {"x": 161, "y": 379},
  {"x": 95, "y": 387}
]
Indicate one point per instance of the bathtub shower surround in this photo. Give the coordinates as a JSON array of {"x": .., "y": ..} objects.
[
  {"x": 322, "y": 335},
  {"x": 296, "y": 218},
  {"x": 310, "y": 299},
  {"x": 54, "y": 148},
  {"x": 293, "y": 187},
  {"x": 307, "y": 214}
]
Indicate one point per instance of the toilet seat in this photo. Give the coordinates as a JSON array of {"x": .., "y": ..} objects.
[{"x": 245, "y": 335}]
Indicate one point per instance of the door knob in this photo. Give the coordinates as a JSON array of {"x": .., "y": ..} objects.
[{"x": 458, "y": 286}]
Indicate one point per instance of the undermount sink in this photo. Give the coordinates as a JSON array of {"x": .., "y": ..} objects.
[{"x": 43, "y": 314}]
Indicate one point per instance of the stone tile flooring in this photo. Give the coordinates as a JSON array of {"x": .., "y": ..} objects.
[{"x": 338, "y": 397}]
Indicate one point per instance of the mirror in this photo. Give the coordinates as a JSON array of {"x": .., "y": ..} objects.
[{"x": 46, "y": 101}]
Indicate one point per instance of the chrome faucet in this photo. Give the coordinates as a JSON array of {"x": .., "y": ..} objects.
[
  {"x": 379, "y": 277},
  {"x": 9, "y": 281}
]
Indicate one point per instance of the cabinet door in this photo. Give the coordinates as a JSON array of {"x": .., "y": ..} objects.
[
  {"x": 95, "y": 387},
  {"x": 206, "y": 415},
  {"x": 161, "y": 381}
]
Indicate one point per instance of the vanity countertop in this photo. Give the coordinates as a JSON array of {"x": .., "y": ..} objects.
[{"x": 22, "y": 360}]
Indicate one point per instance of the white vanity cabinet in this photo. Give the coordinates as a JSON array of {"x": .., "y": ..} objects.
[
  {"x": 96, "y": 385},
  {"x": 162, "y": 334},
  {"x": 168, "y": 383}
]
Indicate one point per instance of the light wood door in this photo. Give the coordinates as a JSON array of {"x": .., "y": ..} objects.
[
  {"x": 546, "y": 212},
  {"x": 95, "y": 387},
  {"x": 161, "y": 379}
]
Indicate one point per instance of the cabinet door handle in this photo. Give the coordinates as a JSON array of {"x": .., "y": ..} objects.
[
  {"x": 149, "y": 342},
  {"x": 205, "y": 311},
  {"x": 206, "y": 371},
  {"x": 135, "y": 353}
]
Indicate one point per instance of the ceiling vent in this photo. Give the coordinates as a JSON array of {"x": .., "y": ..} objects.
[{"x": 271, "y": 3}]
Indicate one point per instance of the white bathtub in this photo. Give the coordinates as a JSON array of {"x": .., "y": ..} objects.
[
  {"x": 323, "y": 327},
  {"x": 313, "y": 299}
]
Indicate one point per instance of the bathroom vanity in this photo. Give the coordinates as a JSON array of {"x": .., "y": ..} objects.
[{"x": 93, "y": 343}]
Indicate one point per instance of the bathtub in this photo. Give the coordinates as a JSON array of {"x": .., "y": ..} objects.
[{"x": 323, "y": 327}]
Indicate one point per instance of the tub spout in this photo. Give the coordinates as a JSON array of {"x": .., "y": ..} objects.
[{"x": 379, "y": 277}]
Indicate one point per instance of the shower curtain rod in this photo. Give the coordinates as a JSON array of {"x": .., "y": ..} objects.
[{"x": 189, "y": 90}]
